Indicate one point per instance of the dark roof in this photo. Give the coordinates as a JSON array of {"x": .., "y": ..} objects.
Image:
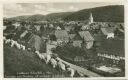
[
  {"x": 71, "y": 36},
  {"x": 77, "y": 37},
  {"x": 68, "y": 28},
  {"x": 86, "y": 35},
  {"x": 98, "y": 37},
  {"x": 28, "y": 36},
  {"x": 95, "y": 26},
  {"x": 120, "y": 25}
]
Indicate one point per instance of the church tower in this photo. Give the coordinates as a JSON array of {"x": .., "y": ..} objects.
[{"x": 90, "y": 18}]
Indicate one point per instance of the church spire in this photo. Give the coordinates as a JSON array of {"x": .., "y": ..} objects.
[{"x": 90, "y": 18}]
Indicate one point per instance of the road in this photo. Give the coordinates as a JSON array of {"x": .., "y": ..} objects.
[{"x": 78, "y": 68}]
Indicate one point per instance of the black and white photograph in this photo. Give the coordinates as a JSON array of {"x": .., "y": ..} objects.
[{"x": 63, "y": 40}]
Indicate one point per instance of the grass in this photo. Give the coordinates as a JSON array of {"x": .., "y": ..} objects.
[{"x": 16, "y": 61}]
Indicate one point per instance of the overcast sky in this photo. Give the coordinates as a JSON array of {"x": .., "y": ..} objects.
[{"x": 11, "y": 10}]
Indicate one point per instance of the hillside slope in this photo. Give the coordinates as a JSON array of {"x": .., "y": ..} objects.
[
  {"x": 16, "y": 61},
  {"x": 60, "y": 15},
  {"x": 113, "y": 13},
  {"x": 100, "y": 14}
]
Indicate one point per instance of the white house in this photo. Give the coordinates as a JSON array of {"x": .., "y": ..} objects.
[
  {"x": 58, "y": 28},
  {"x": 16, "y": 24}
]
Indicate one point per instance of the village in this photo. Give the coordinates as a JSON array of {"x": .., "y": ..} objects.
[{"x": 97, "y": 47}]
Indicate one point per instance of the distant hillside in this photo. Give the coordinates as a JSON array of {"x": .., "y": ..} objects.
[
  {"x": 57, "y": 15},
  {"x": 111, "y": 13},
  {"x": 36, "y": 17},
  {"x": 100, "y": 14},
  {"x": 21, "y": 18},
  {"x": 39, "y": 17}
]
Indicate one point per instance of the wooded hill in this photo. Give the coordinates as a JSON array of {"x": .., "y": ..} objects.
[{"x": 113, "y": 13}]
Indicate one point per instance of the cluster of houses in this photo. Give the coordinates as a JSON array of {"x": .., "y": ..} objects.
[
  {"x": 106, "y": 37},
  {"x": 77, "y": 33}
]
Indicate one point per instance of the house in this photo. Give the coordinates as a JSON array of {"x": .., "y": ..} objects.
[
  {"x": 76, "y": 40},
  {"x": 27, "y": 26},
  {"x": 58, "y": 28},
  {"x": 95, "y": 26},
  {"x": 87, "y": 37},
  {"x": 4, "y": 27},
  {"x": 71, "y": 22},
  {"x": 107, "y": 30},
  {"x": 85, "y": 27},
  {"x": 17, "y": 24},
  {"x": 71, "y": 36},
  {"x": 61, "y": 36},
  {"x": 49, "y": 48},
  {"x": 103, "y": 24},
  {"x": 23, "y": 34},
  {"x": 120, "y": 27},
  {"x": 51, "y": 25},
  {"x": 37, "y": 43},
  {"x": 69, "y": 28},
  {"x": 37, "y": 27}
]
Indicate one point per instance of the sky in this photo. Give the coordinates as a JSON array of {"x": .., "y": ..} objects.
[{"x": 18, "y": 9}]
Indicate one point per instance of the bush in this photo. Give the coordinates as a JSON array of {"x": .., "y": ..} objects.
[{"x": 69, "y": 51}]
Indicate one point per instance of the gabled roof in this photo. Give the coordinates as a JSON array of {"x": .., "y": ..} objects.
[
  {"x": 107, "y": 30},
  {"x": 58, "y": 28},
  {"x": 36, "y": 42},
  {"x": 86, "y": 35},
  {"x": 77, "y": 37},
  {"x": 37, "y": 27},
  {"x": 23, "y": 34},
  {"x": 120, "y": 25},
  {"x": 95, "y": 26},
  {"x": 103, "y": 25},
  {"x": 104, "y": 31},
  {"x": 84, "y": 27},
  {"x": 28, "y": 36},
  {"x": 68, "y": 28},
  {"x": 61, "y": 34},
  {"x": 71, "y": 36}
]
